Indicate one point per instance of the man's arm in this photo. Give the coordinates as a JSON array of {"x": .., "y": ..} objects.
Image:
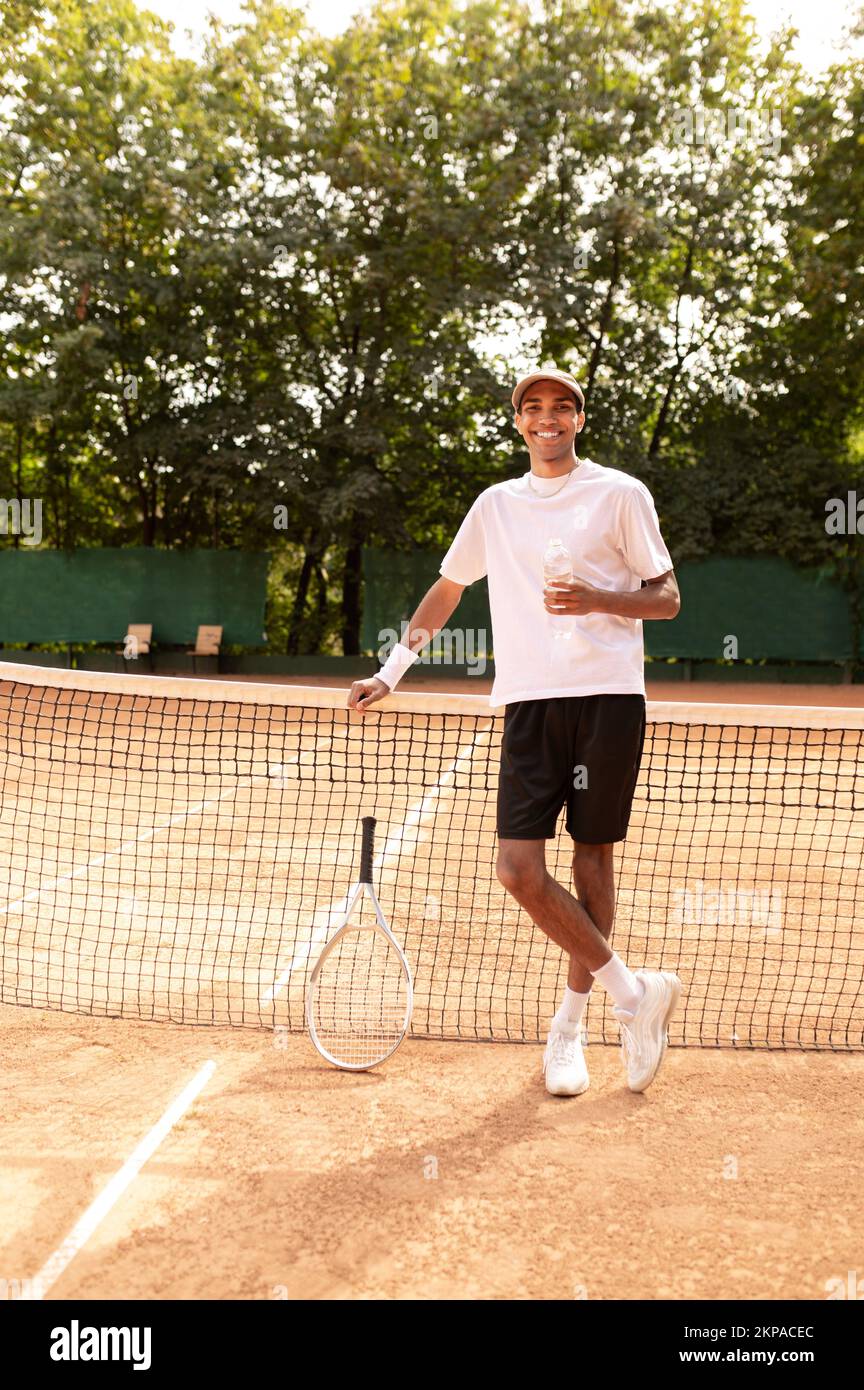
[
  {"x": 434, "y": 609},
  {"x": 658, "y": 598}
]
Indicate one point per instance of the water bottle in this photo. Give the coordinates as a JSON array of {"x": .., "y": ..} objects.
[{"x": 558, "y": 568}]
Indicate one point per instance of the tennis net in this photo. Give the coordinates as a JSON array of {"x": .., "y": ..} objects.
[{"x": 182, "y": 850}]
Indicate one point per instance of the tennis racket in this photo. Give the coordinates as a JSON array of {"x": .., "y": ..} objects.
[{"x": 361, "y": 993}]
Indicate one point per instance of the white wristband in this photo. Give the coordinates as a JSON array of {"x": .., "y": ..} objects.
[{"x": 397, "y": 664}]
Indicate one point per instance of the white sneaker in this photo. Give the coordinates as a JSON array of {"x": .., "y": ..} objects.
[
  {"x": 564, "y": 1063},
  {"x": 643, "y": 1034}
]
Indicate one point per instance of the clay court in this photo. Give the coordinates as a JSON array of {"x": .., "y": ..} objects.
[
  {"x": 172, "y": 865},
  {"x": 449, "y": 1174}
]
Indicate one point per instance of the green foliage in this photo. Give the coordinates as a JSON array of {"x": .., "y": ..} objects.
[{"x": 282, "y": 276}]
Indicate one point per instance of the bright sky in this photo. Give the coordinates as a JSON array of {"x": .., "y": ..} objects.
[{"x": 820, "y": 22}]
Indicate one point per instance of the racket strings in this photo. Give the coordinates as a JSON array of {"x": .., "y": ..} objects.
[{"x": 360, "y": 1002}]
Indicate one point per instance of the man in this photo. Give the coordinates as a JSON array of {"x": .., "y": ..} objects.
[{"x": 574, "y": 724}]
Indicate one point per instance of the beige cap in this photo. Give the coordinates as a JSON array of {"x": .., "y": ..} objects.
[{"x": 550, "y": 373}]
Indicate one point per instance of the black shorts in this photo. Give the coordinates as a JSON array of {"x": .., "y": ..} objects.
[{"x": 578, "y": 751}]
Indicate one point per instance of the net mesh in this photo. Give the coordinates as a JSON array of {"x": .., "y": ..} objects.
[{"x": 183, "y": 850}]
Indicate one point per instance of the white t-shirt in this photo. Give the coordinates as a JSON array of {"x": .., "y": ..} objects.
[{"x": 608, "y": 522}]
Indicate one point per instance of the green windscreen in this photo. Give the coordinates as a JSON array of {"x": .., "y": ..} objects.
[
  {"x": 93, "y": 595},
  {"x": 771, "y": 609},
  {"x": 394, "y": 583}
]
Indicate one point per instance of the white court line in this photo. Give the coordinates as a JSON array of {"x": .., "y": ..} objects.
[
  {"x": 327, "y": 917},
  {"x": 84, "y": 869},
  {"x": 99, "y": 1209}
]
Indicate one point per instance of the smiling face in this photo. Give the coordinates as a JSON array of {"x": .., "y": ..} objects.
[{"x": 549, "y": 418}]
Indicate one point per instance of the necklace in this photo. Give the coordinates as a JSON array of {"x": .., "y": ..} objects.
[{"x": 558, "y": 489}]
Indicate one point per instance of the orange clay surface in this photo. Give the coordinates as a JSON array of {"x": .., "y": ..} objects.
[{"x": 447, "y": 1174}]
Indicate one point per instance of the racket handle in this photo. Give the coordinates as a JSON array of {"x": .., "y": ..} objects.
[{"x": 368, "y": 824}]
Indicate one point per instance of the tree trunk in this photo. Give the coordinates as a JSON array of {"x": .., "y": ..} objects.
[
  {"x": 663, "y": 415},
  {"x": 19, "y": 483},
  {"x": 299, "y": 606},
  {"x": 63, "y": 538},
  {"x": 320, "y": 627},
  {"x": 606, "y": 315},
  {"x": 147, "y": 497},
  {"x": 351, "y": 586}
]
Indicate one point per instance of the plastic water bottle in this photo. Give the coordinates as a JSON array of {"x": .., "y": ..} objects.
[{"x": 558, "y": 568}]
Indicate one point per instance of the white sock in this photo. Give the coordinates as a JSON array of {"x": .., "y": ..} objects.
[
  {"x": 569, "y": 1015},
  {"x": 621, "y": 983}
]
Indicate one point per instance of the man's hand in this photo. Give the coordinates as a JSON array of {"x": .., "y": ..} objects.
[
  {"x": 365, "y": 693},
  {"x": 657, "y": 598},
  {"x": 577, "y": 597}
]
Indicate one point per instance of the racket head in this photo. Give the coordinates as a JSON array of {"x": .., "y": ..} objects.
[{"x": 360, "y": 998}]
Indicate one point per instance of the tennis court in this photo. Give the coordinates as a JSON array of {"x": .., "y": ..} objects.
[{"x": 176, "y": 854}]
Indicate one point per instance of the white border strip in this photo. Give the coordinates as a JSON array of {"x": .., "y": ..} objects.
[
  {"x": 236, "y": 692},
  {"x": 316, "y": 697},
  {"x": 100, "y": 859},
  {"x": 757, "y": 716},
  {"x": 198, "y": 808},
  {"x": 97, "y": 1211}
]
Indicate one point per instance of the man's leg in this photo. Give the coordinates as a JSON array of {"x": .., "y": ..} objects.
[
  {"x": 570, "y": 923},
  {"x": 521, "y": 867},
  {"x": 594, "y": 881}
]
